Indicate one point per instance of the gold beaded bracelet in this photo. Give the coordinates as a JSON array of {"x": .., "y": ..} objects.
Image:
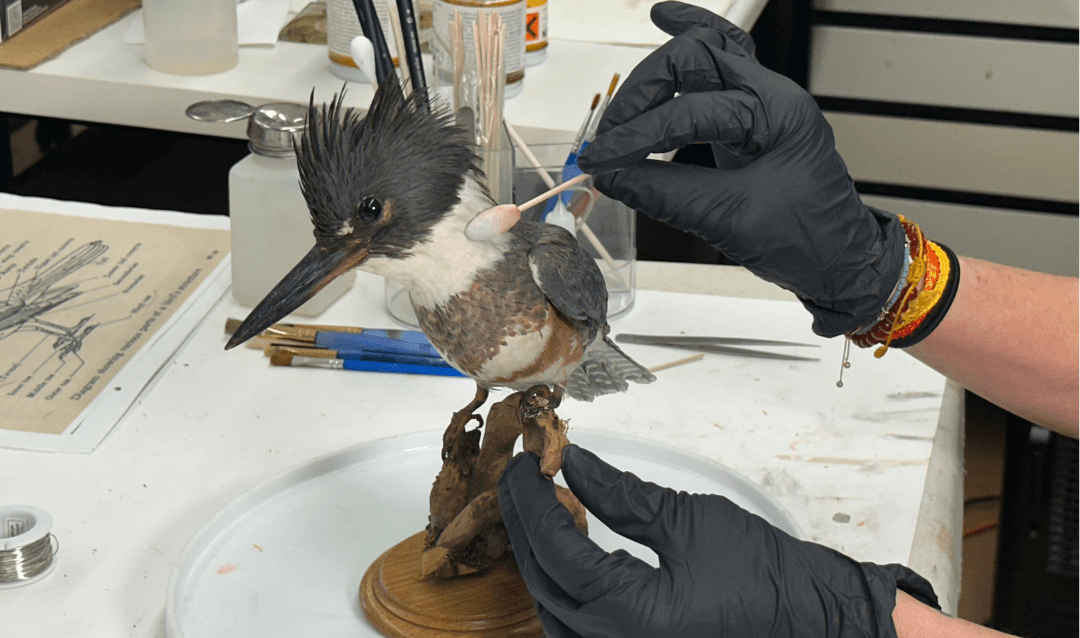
[{"x": 929, "y": 282}]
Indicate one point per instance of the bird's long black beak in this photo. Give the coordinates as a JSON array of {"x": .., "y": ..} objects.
[{"x": 319, "y": 267}]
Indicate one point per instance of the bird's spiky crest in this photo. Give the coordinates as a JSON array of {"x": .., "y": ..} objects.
[{"x": 403, "y": 151}]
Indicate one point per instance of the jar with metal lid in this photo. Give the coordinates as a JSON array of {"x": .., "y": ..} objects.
[
  {"x": 536, "y": 32},
  {"x": 271, "y": 225}
]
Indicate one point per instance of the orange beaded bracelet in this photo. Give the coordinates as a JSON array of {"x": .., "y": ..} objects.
[{"x": 926, "y": 281}]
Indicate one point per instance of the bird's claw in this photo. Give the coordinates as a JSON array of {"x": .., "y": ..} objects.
[{"x": 539, "y": 399}]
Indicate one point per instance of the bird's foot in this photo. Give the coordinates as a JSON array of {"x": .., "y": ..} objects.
[
  {"x": 539, "y": 399},
  {"x": 456, "y": 430},
  {"x": 544, "y": 432},
  {"x": 478, "y": 399}
]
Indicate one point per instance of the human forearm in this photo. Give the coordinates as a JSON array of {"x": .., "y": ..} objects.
[
  {"x": 1010, "y": 336},
  {"x": 916, "y": 620}
]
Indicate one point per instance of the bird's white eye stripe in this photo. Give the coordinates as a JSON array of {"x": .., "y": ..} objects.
[{"x": 345, "y": 229}]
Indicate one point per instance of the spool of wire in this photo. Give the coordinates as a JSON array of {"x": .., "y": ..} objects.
[{"x": 26, "y": 546}]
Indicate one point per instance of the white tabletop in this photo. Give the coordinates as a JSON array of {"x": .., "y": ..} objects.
[{"x": 870, "y": 469}]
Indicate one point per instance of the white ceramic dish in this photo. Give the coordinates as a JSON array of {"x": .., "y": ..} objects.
[{"x": 286, "y": 558}]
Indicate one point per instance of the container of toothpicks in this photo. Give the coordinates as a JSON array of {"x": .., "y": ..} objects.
[{"x": 467, "y": 15}]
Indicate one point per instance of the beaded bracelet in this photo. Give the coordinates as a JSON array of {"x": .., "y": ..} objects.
[
  {"x": 948, "y": 283},
  {"x": 878, "y": 332},
  {"x": 930, "y": 278}
]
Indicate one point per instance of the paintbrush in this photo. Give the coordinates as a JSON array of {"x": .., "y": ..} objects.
[
  {"x": 308, "y": 332},
  {"x": 579, "y": 139},
  {"x": 369, "y": 24},
  {"x": 594, "y": 124},
  {"x": 363, "y": 355},
  {"x": 285, "y": 359},
  {"x": 411, "y": 41}
]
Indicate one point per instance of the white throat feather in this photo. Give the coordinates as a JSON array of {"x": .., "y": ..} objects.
[{"x": 446, "y": 263}]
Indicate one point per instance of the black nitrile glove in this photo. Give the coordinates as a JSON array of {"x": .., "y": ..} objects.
[
  {"x": 781, "y": 202},
  {"x": 723, "y": 571}
]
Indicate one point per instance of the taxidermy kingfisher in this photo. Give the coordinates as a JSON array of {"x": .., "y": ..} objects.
[{"x": 511, "y": 304}]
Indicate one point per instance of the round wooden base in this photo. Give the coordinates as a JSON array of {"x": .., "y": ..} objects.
[{"x": 494, "y": 604}]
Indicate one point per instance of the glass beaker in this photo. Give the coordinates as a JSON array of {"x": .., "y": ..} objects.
[{"x": 605, "y": 227}]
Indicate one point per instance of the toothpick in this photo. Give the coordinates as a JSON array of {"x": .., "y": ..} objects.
[
  {"x": 458, "y": 29},
  {"x": 399, "y": 42},
  {"x": 678, "y": 362}
]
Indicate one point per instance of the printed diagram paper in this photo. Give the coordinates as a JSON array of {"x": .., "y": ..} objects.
[{"x": 80, "y": 299}]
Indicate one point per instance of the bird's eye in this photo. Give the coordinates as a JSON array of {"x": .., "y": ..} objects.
[{"x": 370, "y": 209}]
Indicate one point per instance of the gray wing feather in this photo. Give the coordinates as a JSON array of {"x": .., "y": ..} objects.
[
  {"x": 573, "y": 283},
  {"x": 605, "y": 370},
  {"x": 568, "y": 277}
]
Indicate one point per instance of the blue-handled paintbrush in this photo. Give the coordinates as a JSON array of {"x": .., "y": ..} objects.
[
  {"x": 373, "y": 343},
  {"x": 285, "y": 359},
  {"x": 364, "y": 355},
  {"x": 347, "y": 338}
]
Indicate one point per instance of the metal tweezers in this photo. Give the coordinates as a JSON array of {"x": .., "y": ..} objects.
[{"x": 718, "y": 345}]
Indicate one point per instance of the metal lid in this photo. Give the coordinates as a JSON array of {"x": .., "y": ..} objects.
[
  {"x": 219, "y": 111},
  {"x": 273, "y": 127}
]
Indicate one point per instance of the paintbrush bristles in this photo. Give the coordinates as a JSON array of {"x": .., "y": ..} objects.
[
  {"x": 611, "y": 87},
  {"x": 594, "y": 119},
  {"x": 281, "y": 359},
  {"x": 580, "y": 137}
]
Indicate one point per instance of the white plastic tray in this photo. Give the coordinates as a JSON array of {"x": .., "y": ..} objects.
[{"x": 286, "y": 558}]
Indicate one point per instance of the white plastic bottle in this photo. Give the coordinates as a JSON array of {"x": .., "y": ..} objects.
[
  {"x": 271, "y": 226},
  {"x": 190, "y": 37}
]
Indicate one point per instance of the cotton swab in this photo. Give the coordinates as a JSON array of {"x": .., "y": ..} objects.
[
  {"x": 363, "y": 54},
  {"x": 587, "y": 232},
  {"x": 553, "y": 191},
  {"x": 499, "y": 219}
]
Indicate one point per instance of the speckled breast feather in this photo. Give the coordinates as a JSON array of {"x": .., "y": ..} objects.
[{"x": 502, "y": 302}]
